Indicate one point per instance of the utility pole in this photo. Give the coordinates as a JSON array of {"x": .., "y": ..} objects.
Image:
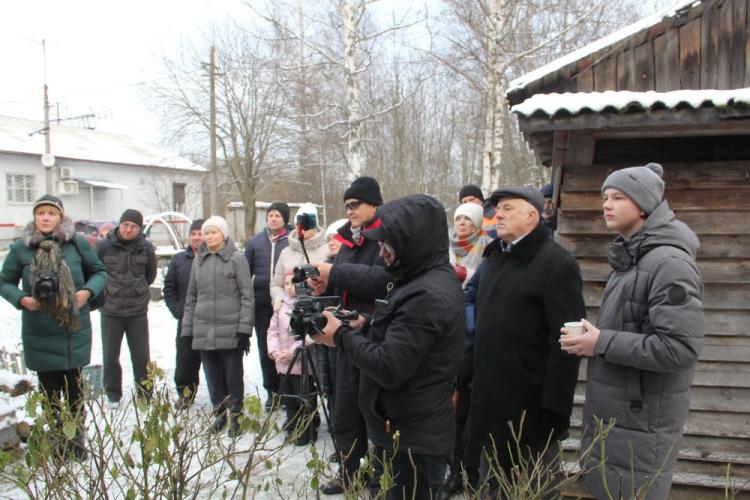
[
  {"x": 47, "y": 142},
  {"x": 214, "y": 185}
]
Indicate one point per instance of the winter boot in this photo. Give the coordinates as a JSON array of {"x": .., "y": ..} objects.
[
  {"x": 234, "y": 426},
  {"x": 220, "y": 419}
]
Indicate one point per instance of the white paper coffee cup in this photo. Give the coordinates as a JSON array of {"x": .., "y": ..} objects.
[{"x": 574, "y": 328}]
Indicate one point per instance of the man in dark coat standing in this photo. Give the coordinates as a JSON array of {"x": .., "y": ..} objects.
[
  {"x": 188, "y": 361},
  {"x": 529, "y": 287},
  {"x": 262, "y": 252},
  {"x": 130, "y": 260},
  {"x": 410, "y": 354},
  {"x": 359, "y": 277}
]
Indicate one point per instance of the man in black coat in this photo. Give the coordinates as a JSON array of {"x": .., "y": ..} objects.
[
  {"x": 529, "y": 286},
  {"x": 359, "y": 277},
  {"x": 410, "y": 354},
  {"x": 262, "y": 252},
  {"x": 188, "y": 361},
  {"x": 130, "y": 260}
]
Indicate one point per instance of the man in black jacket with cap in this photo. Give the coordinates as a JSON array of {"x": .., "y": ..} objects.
[
  {"x": 187, "y": 362},
  {"x": 529, "y": 286},
  {"x": 410, "y": 354}
]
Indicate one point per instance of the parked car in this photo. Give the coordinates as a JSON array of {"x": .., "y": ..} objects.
[{"x": 92, "y": 226}]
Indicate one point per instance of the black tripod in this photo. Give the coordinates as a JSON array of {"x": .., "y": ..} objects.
[{"x": 309, "y": 389}]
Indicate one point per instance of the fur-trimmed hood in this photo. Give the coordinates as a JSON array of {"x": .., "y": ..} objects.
[{"x": 62, "y": 233}]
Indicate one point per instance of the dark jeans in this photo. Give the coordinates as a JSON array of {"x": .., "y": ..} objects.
[
  {"x": 135, "y": 329},
  {"x": 263, "y": 316},
  {"x": 187, "y": 367},
  {"x": 325, "y": 367},
  {"x": 464, "y": 457},
  {"x": 417, "y": 477},
  {"x": 349, "y": 428},
  {"x": 224, "y": 377},
  {"x": 63, "y": 388}
]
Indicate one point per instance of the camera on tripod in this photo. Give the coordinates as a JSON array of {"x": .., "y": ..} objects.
[{"x": 307, "y": 314}]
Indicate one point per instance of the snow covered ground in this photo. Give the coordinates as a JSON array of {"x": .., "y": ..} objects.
[{"x": 162, "y": 328}]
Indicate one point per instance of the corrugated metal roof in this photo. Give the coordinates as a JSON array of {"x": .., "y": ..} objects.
[
  {"x": 18, "y": 135},
  {"x": 566, "y": 105},
  {"x": 602, "y": 43}
]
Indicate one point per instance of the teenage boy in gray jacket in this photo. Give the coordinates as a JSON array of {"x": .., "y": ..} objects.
[{"x": 643, "y": 351}]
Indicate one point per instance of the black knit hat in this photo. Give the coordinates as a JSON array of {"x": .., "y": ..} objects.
[
  {"x": 48, "y": 199},
  {"x": 197, "y": 225},
  {"x": 470, "y": 190},
  {"x": 132, "y": 215},
  {"x": 282, "y": 208},
  {"x": 364, "y": 189}
]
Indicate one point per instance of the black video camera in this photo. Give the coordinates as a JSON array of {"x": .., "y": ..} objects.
[
  {"x": 46, "y": 284},
  {"x": 307, "y": 315}
]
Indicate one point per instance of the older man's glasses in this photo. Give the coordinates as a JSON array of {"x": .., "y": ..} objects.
[{"x": 352, "y": 205}]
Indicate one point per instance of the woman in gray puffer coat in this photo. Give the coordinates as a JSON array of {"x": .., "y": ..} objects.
[
  {"x": 644, "y": 348},
  {"x": 219, "y": 317}
]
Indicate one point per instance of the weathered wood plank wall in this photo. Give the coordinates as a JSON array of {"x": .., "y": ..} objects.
[{"x": 704, "y": 50}]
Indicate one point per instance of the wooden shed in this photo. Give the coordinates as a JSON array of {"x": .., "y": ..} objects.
[{"x": 671, "y": 89}]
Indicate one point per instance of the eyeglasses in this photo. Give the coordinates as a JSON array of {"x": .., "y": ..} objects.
[{"x": 352, "y": 205}]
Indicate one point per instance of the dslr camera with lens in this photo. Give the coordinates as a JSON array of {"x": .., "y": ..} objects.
[
  {"x": 46, "y": 285},
  {"x": 307, "y": 314}
]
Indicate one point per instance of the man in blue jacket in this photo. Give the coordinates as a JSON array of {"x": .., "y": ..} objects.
[
  {"x": 262, "y": 252},
  {"x": 188, "y": 361}
]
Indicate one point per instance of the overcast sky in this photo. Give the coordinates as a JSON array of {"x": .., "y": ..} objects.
[{"x": 97, "y": 53}]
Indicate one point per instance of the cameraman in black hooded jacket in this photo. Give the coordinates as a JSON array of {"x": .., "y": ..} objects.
[{"x": 411, "y": 351}]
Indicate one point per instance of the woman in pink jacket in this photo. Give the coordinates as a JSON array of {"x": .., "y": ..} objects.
[{"x": 302, "y": 420}]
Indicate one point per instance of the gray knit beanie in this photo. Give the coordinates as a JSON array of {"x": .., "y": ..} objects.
[{"x": 643, "y": 185}]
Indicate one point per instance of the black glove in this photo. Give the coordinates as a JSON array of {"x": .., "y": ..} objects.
[
  {"x": 243, "y": 342},
  {"x": 557, "y": 423}
]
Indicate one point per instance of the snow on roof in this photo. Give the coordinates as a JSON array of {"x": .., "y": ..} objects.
[
  {"x": 569, "y": 104},
  {"x": 19, "y": 135},
  {"x": 611, "y": 39}
]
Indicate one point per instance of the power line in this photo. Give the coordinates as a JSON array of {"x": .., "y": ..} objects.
[{"x": 90, "y": 91}]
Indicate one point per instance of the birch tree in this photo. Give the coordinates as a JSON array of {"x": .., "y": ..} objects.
[
  {"x": 489, "y": 42},
  {"x": 346, "y": 41}
]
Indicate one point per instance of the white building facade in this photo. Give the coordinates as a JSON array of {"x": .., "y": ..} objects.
[{"x": 96, "y": 174}]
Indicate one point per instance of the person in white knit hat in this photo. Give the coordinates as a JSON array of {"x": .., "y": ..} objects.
[
  {"x": 219, "y": 317},
  {"x": 315, "y": 246},
  {"x": 467, "y": 240}
]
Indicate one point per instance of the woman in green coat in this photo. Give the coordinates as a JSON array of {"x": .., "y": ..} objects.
[{"x": 59, "y": 275}]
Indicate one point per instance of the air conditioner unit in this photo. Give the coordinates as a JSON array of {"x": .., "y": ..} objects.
[
  {"x": 66, "y": 172},
  {"x": 67, "y": 188}
]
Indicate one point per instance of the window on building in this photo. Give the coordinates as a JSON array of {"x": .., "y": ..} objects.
[
  {"x": 20, "y": 188},
  {"x": 178, "y": 196}
]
